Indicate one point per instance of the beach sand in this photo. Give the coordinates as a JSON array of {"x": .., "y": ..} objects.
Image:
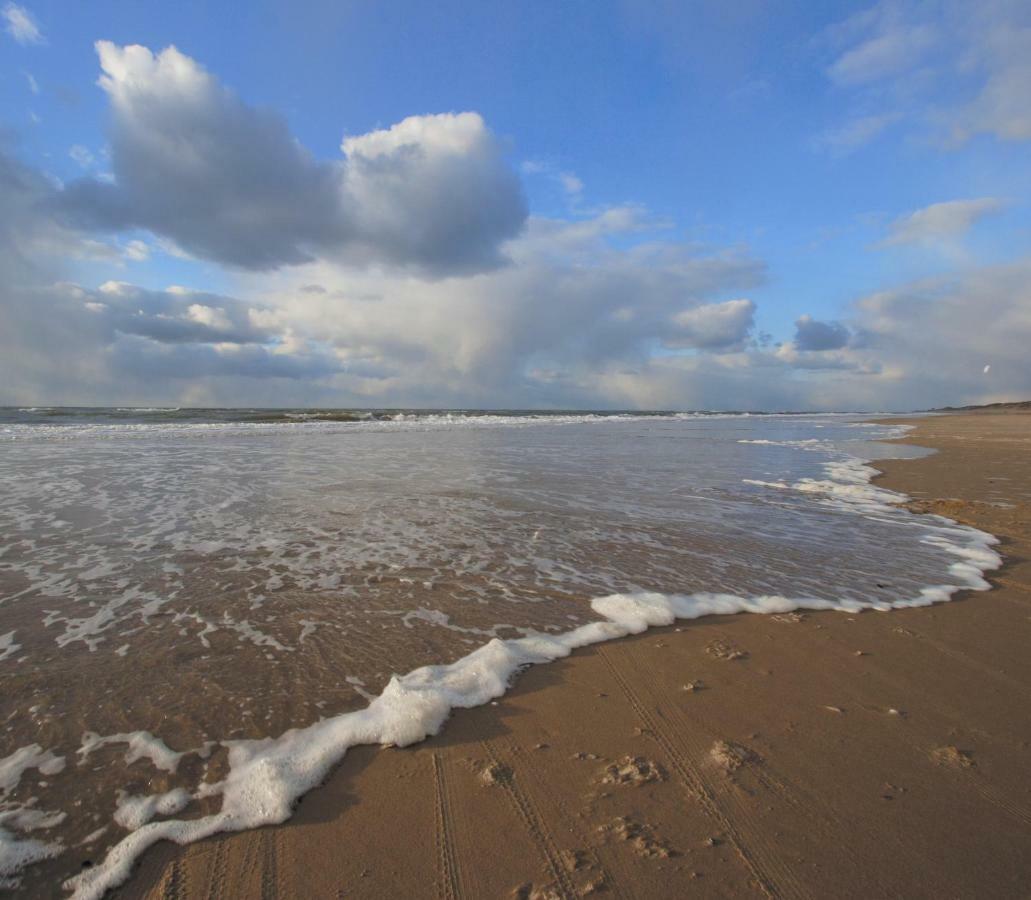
[{"x": 814, "y": 755}]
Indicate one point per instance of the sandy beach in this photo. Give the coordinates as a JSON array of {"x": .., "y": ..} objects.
[{"x": 797, "y": 755}]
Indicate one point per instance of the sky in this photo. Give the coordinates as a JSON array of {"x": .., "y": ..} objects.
[{"x": 621, "y": 204}]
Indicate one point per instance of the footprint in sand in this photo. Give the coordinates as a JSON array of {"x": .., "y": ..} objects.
[
  {"x": 641, "y": 837},
  {"x": 953, "y": 758},
  {"x": 730, "y": 757},
  {"x": 725, "y": 650},
  {"x": 495, "y": 774},
  {"x": 632, "y": 770}
]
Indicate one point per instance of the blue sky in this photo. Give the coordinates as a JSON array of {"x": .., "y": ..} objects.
[{"x": 820, "y": 154}]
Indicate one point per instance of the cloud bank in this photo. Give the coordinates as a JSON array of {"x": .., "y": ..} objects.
[{"x": 408, "y": 272}]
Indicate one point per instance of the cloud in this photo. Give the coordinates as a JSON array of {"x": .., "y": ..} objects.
[
  {"x": 136, "y": 251},
  {"x": 936, "y": 335},
  {"x": 952, "y": 68},
  {"x": 82, "y": 156},
  {"x": 893, "y": 48},
  {"x": 605, "y": 310},
  {"x": 122, "y": 342},
  {"x": 713, "y": 326},
  {"x": 60, "y": 342},
  {"x": 228, "y": 182},
  {"x": 855, "y": 133},
  {"x": 1003, "y": 57},
  {"x": 433, "y": 190},
  {"x": 175, "y": 316},
  {"x": 811, "y": 334},
  {"x": 918, "y": 345},
  {"x": 570, "y": 183},
  {"x": 533, "y": 333},
  {"x": 20, "y": 24},
  {"x": 940, "y": 221}
]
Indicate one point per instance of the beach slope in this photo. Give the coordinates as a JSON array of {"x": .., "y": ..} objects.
[{"x": 798, "y": 755}]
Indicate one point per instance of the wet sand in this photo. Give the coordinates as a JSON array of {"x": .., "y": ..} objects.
[{"x": 803, "y": 755}]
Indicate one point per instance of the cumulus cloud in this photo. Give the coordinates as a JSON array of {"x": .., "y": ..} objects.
[
  {"x": 225, "y": 181},
  {"x": 533, "y": 333},
  {"x": 812, "y": 334},
  {"x": 713, "y": 326},
  {"x": 929, "y": 343},
  {"x": 61, "y": 343},
  {"x": 175, "y": 316},
  {"x": 936, "y": 335},
  {"x": 603, "y": 311},
  {"x": 940, "y": 221},
  {"x": 20, "y": 24}
]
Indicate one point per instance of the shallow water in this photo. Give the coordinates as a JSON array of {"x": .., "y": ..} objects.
[{"x": 170, "y": 587}]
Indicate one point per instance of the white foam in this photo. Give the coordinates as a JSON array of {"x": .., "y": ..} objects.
[
  {"x": 266, "y": 777},
  {"x": 141, "y": 745},
  {"x": 7, "y": 645},
  {"x": 17, "y": 853},
  {"x": 133, "y": 812},
  {"x": 399, "y": 422},
  {"x": 31, "y": 757},
  {"x": 806, "y": 443}
]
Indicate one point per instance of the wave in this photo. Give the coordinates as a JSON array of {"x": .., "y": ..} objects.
[
  {"x": 267, "y": 777},
  {"x": 128, "y": 421}
]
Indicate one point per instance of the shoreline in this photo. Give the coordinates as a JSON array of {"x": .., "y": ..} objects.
[{"x": 590, "y": 818}]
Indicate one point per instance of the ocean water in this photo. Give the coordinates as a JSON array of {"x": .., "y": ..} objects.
[{"x": 201, "y": 610}]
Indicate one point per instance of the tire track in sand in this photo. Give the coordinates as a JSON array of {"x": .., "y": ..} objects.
[
  {"x": 569, "y": 819},
  {"x": 270, "y": 864},
  {"x": 448, "y": 875},
  {"x": 216, "y": 887},
  {"x": 697, "y": 734},
  {"x": 535, "y": 826},
  {"x": 174, "y": 887},
  {"x": 773, "y": 877}
]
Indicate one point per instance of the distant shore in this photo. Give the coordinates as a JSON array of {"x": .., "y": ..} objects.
[{"x": 797, "y": 755}]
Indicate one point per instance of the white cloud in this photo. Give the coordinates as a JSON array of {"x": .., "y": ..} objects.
[
  {"x": 82, "y": 156},
  {"x": 892, "y": 49},
  {"x": 952, "y": 68},
  {"x": 20, "y": 24},
  {"x": 570, "y": 183},
  {"x": 194, "y": 164},
  {"x": 855, "y": 133},
  {"x": 812, "y": 334},
  {"x": 136, "y": 251},
  {"x": 939, "y": 222},
  {"x": 534, "y": 333},
  {"x": 1003, "y": 56},
  {"x": 714, "y": 326}
]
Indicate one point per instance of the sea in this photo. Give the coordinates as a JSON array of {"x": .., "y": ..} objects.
[{"x": 201, "y": 610}]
